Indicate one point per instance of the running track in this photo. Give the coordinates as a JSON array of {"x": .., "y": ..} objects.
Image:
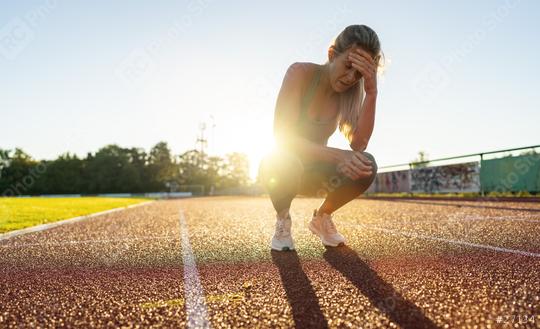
[{"x": 205, "y": 262}]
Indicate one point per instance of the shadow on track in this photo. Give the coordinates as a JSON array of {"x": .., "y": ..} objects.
[
  {"x": 459, "y": 205},
  {"x": 381, "y": 294},
  {"x": 304, "y": 303}
]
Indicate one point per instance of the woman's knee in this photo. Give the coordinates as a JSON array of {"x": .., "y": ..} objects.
[
  {"x": 374, "y": 169},
  {"x": 280, "y": 168},
  {"x": 374, "y": 166}
]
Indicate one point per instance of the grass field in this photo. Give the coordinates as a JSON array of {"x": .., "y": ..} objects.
[{"x": 18, "y": 213}]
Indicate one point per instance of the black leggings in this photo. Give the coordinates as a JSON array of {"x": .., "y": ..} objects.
[{"x": 284, "y": 176}]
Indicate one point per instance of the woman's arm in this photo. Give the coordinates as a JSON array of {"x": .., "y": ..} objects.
[
  {"x": 365, "y": 64},
  {"x": 286, "y": 115},
  {"x": 366, "y": 122}
]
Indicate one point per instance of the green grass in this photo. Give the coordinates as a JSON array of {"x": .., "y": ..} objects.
[{"x": 18, "y": 213}]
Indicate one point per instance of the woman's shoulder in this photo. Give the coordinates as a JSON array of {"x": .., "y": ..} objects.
[
  {"x": 301, "y": 72},
  {"x": 302, "y": 68}
]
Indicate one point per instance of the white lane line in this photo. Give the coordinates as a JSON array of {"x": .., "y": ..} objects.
[
  {"x": 473, "y": 218},
  {"x": 463, "y": 220},
  {"x": 197, "y": 314},
  {"x": 97, "y": 241},
  {"x": 502, "y": 218},
  {"x": 43, "y": 227},
  {"x": 458, "y": 242}
]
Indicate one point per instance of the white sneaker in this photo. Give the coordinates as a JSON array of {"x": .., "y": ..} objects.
[
  {"x": 324, "y": 227},
  {"x": 282, "y": 239}
]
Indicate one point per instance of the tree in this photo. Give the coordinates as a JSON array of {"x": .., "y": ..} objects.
[
  {"x": 139, "y": 162},
  {"x": 19, "y": 175},
  {"x": 4, "y": 160},
  {"x": 236, "y": 170},
  {"x": 529, "y": 152},
  {"x": 421, "y": 161},
  {"x": 192, "y": 168},
  {"x": 63, "y": 175},
  {"x": 161, "y": 166},
  {"x": 113, "y": 169},
  {"x": 110, "y": 171}
]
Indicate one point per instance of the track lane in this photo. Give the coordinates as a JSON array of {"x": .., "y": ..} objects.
[{"x": 128, "y": 269}]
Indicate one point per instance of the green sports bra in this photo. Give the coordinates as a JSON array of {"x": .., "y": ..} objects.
[{"x": 315, "y": 131}]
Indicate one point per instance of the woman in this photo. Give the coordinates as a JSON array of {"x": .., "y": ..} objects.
[{"x": 312, "y": 102}]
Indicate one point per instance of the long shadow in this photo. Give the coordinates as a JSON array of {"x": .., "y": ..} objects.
[
  {"x": 304, "y": 303},
  {"x": 463, "y": 205},
  {"x": 381, "y": 293}
]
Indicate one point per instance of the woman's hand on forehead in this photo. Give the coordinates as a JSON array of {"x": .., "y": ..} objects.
[{"x": 364, "y": 54}]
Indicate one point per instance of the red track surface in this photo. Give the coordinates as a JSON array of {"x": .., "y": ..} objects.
[{"x": 407, "y": 264}]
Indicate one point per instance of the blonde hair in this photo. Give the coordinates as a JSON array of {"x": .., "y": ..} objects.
[{"x": 350, "y": 101}]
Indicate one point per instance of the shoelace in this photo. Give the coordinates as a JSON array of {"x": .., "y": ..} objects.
[
  {"x": 330, "y": 226},
  {"x": 280, "y": 227}
]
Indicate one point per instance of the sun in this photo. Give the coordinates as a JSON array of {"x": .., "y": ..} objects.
[
  {"x": 246, "y": 136},
  {"x": 255, "y": 144}
]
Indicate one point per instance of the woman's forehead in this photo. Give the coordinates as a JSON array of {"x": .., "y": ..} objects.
[{"x": 354, "y": 48}]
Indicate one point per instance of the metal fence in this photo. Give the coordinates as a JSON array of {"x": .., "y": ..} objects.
[{"x": 481, "y": 173}]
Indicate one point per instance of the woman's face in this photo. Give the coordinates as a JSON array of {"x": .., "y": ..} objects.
[{"x": 342, "y": 75}]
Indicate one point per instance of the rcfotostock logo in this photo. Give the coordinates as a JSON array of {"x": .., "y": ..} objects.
[
  {"x": 433, "y": 78},
  {"x": 329, "y": 186},
  {"x": 142, "y": 62},
  {"x": 25, "y": 184},
  {"x": 137, "y": 66},
  {"x": 14, "y": 37},
  {"x": 18, "y": 33}
]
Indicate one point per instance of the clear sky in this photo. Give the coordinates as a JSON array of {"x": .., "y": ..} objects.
[{"x": 462, "y": 77}]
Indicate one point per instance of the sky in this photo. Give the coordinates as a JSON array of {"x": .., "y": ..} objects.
[{"x": 461, "y": 77}]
